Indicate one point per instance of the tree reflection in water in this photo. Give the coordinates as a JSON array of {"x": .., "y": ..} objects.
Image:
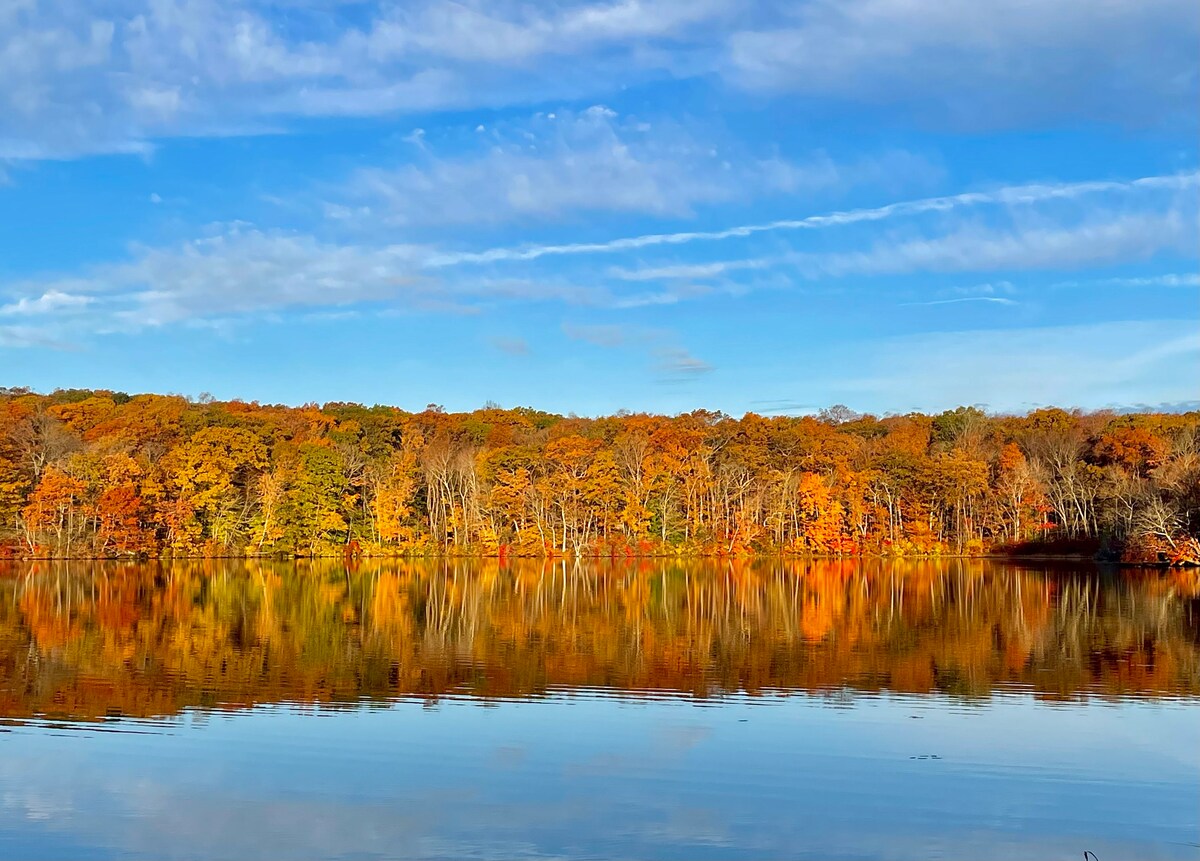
[{"x": 87, "y": 640}]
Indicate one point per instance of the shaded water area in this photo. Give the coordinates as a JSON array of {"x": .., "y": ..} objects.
[{"x": 708, "y": 709}]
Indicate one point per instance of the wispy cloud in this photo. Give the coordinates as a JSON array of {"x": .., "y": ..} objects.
[
  {"x": 1188, "y": 406},
  {"x": 1012, "y": 196},
  {"x": 678, "y": 362},
  {"x": 988, "y": 292},
  {"x": 692, "y": 271},
  {"x": 997, "y": 300},
  {"x": 1029, "y": 245},
  {"x": 48, "y": 303},
  {"x": 672, "y": 362},
  {"x": 1169, "y": 280},
  {"x": 772, "y": 406},
  {"x": 983, "y": 64},
  {"x": 31, "y": 336},
  {"x": 85, "y": 78},
  {"x": 989, "y": 289},
  {"x": 511, "y": 346},
  {"x": 563, "y": 163},
  {"x": 576, "y": 163},
  {"x": 239, "y": 269},
  {"x": 605, "y": 335},
  {"x": 1094, "y": 242}
]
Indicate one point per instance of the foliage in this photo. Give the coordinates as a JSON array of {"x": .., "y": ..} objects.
[{"x": 97, "y": 473}]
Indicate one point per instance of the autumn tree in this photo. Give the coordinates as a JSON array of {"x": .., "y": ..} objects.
[{"x": 99, "y": 472}]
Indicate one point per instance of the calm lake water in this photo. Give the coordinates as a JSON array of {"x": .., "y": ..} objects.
[{"x": 655, "y": 710}]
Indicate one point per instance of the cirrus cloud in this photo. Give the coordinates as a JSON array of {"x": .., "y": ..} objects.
[
  {"x": 997, "y": 62},
  {"x": 119, "y": 75}
]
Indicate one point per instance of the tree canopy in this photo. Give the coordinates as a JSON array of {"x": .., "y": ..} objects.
[{"x": 100, "y": 473}]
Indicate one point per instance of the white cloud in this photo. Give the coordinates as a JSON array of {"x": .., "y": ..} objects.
[
  {"x": 79, "y": 82},
  {"x": 83, "y": 77},
  {"x": 48, "y": 303},
  {"x": 241, "y": 270},
  {"x": 1035, "y": 246},
  {"x": 510, "y": 33},
  {"x": 1189, "y": 279},
  {"x": 160, "y": 102},
  {"x": 984, "y": 62},
  {"x": 584, "y": 162},
  {"x": 1044, "y": 246},
  {"x": 601, "y": 335},
  {"x": 672, "y": 362},
  {"x": 678, "y": 362},
  {"x": 511, "y": 346},
  {"x": 238, "y": 271},
  {"x": 690, "y": 271},
  {"x": 1012, "y": 196},
  {"x": 23, "y": 336},
  {"x": 996, "y": 300},
  {"x": 571, "y": 163},
  {"x": 989, "y": 289}
]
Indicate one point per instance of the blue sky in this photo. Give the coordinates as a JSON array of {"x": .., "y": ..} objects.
[{"x": 593, "y": 206}]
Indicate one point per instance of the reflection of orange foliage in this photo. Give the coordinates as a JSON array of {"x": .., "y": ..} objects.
[
  {"x": 50, "y": 624},
  {"x": 151, "y": 639},
  {"x": 118, "y": 602}
]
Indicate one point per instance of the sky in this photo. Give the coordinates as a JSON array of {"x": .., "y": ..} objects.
[{"x": 739, "y": 205}]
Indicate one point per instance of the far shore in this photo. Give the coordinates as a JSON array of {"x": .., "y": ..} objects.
[{"x": 1074, "y": 558}]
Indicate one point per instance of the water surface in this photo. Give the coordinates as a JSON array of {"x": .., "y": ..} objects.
[{"x": 656, "y": 709}]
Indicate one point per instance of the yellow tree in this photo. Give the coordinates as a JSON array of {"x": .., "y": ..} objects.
[
  {"x": 394, "y": 484},
  {"x": 209, "y": 475},
  {"x": 54, "y": 513},
  {"x": 570, "y": 458}
]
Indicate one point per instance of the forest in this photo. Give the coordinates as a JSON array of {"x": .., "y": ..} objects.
[{"x": 97, "y": 474}]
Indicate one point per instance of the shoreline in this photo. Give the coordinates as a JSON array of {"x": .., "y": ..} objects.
[{"x": 1072, "y": 558}]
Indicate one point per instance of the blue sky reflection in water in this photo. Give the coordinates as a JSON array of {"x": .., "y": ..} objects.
[
  {"x": 583, "y": 775},
  {"x": 661, "y": 710}
]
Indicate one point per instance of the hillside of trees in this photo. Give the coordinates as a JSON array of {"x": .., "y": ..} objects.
[{"x": 100, "y": 473}]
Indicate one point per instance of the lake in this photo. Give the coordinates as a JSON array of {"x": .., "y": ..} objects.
[{"x": 650, "y": 709}]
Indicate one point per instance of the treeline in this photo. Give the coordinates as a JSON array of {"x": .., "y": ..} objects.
[{"x": 100, "y": 473}]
